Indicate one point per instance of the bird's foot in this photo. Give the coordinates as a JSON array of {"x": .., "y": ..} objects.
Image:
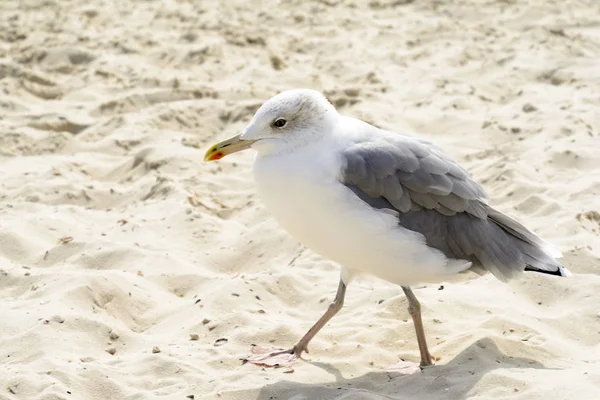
[
  {"x": 429, "y": 361},
  {"x": 403, "y": 368},
  {"x": 408, "y": 368},
  {"x": 274, "y": 357}
]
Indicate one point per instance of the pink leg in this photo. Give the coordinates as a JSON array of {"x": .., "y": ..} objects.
[
  {"x": 414, "y": 309},
  {"x": 284, "y": 357},
  {"x": 406, "y": 367}
]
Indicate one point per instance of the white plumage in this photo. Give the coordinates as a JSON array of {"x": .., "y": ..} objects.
[{"x": 301, "y": 189}]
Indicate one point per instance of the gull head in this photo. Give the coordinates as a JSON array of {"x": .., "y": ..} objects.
[{"x": 290, "y": 120}]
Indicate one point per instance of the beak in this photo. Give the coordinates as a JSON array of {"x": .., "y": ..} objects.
[{"x": 228, "y": 146}]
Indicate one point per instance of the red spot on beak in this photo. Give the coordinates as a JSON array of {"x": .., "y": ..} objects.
[{"x": 216, "y": 156}]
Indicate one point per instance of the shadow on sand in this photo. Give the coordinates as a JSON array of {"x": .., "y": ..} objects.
[{"x": 453, "y": 380}]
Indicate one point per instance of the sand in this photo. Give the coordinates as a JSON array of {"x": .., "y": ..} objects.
[{"x": 124, "y": 258}]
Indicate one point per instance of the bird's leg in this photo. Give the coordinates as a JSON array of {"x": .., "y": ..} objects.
[
  {"x": 414, "y": 309},
  {"x": 405, "y": 367},
  {"x": 333, "y": 309},
  {"x": 277, "y": 358}
]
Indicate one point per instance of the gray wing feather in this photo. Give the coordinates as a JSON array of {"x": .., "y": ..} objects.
[
  {"x": 454, "y": 202},
  {"x": 434, "y": 165},
  {"x": 445, "y": 210},
  {"x": 423, "y": 199},
  {"x": 396, "y": 194},
  {"x": 466, "y": 190},
  {"x": 434, "y": 196},
  {"x": 443, "y": 185},
  {"x": 478, "y": 209},
  {"x": 411, "y": 174},
  {"x": 418, "y": 181}
]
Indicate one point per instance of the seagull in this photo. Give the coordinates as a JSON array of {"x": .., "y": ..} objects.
[{"x": 377, "y": 202}]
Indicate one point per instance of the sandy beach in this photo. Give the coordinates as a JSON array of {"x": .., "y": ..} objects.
[{"x": 130, "y": 269}]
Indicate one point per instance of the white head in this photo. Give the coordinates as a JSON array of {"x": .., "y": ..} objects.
[{"x": 287, "y": 121}]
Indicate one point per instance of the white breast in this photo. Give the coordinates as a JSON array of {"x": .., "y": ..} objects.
[{"x": 302, "y": 191}]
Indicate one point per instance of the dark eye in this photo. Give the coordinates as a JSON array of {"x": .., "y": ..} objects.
[{"x": 279, "y": 122}]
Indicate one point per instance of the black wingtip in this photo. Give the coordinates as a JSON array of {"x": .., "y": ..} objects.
[{"x": 558, "y": 272}]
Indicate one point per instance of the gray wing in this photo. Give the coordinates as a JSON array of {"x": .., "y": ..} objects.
[
  {"x": 434, "y": 196},
  {"x": 412, "y": 175}
]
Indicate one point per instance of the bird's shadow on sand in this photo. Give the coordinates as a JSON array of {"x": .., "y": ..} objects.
[{"x": 453, "y": 380}]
